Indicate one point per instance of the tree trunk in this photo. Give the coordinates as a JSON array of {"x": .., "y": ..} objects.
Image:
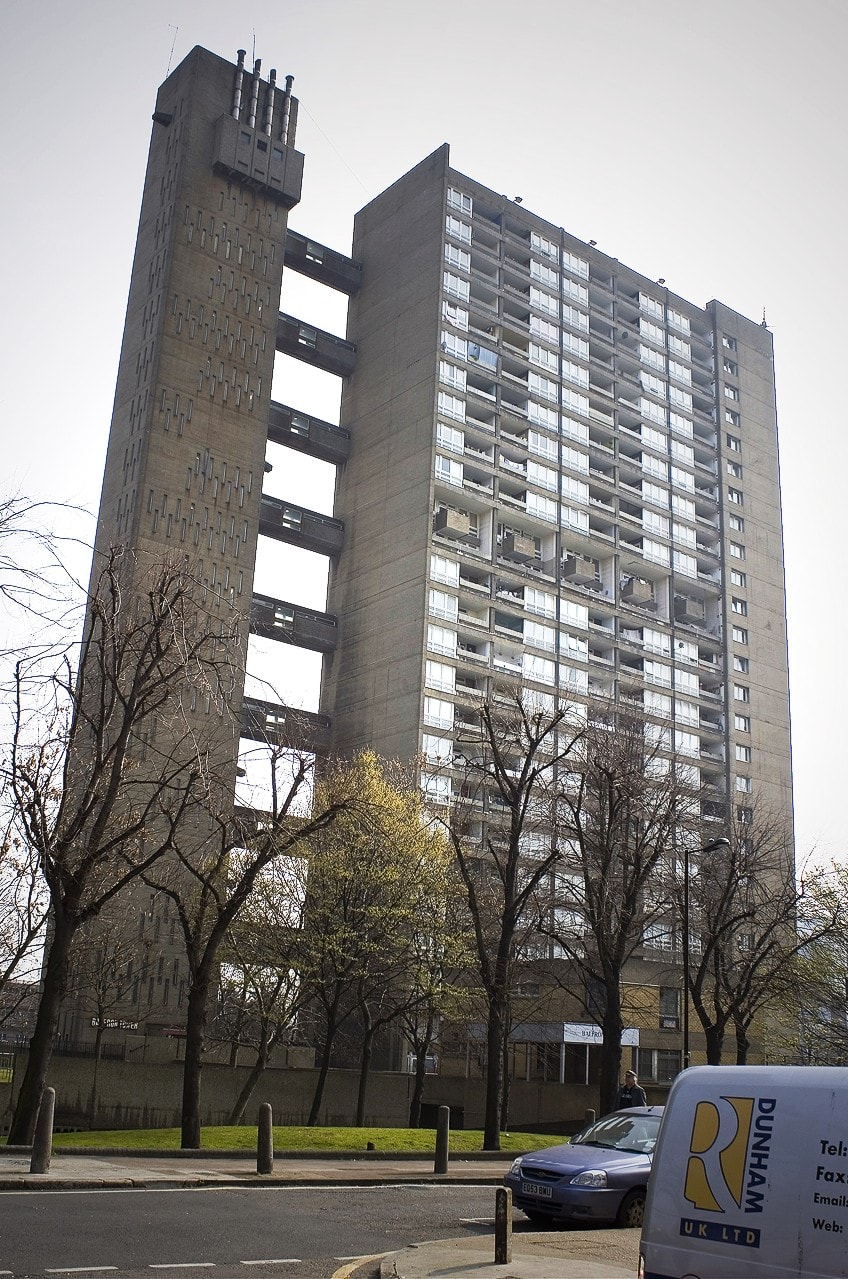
[
  {"x": 421, "y": 1050},
  {"x": 742, "y": 1044},
  {"x": 506, "y": 1083},
  {"x": 612, "y": 1027},
  {"x": 715, "y": 1039},
  {"x": 364, "y": 1068},
  {"x": 256, "y": 1072},
  {"x": 98, "y": 1048},
  {"x": 195, "y": 1027},
  {"x": 43, "y": 1036},
  {"x": 326, "y": 1053},
  {"x": 494, "y": 1074}
]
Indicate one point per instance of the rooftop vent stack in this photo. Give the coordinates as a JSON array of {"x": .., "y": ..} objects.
[
  {"x": 269, "y": 106},
  {"x": 254, "y": 95},
  {"x": 284, "y": 129},
  {"x": 237, "y": 86}
]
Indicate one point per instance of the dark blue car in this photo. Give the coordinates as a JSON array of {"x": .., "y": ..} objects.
[{"x": 600, "y": 1175}]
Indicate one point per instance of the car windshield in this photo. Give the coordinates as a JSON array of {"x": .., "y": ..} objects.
[{"x": 636, "y": 1133}]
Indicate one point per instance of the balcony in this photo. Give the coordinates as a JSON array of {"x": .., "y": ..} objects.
[
  {"x": 639, "y": 591},
  {"x": 307, "y": 434},
  {"x": 315, "y": 346},
  {"x": 301, "y": 527},
  {"x": 293, "y": 624},
  {"x": 692, "y": 611},
  {"x": 517, "y": 546},
  {"x": 457, "y": 525},
  {"x": 253, "y": 159}
]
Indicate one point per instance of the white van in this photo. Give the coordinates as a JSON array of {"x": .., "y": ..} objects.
[{"x": 750, "y": 1176}]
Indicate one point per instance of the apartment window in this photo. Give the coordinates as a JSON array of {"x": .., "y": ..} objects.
[
  {"x": 728, "y": 343},
  {"x": 682, "y": 399},
  {"x": 734, "y": 443},
  {"x": 571, "y": 289},
  {"x": 544, "y": 302},
  {"x": 573, "y": 372},
  {"x": 679, "y": 321},
  {"x": 737, "y": 550},
  {"x": 744, "y": 784},
  {"x": 540, "y": 244},
  {"x": 536, "y": 601},
  {"x": 669, "y": 1008},
  {"x": 741, "y": 693},
  {"x": 452, "y": 343},
  {"x": 678, "y": 347},
  {"x": 738, "y": 605},
  {"x": 734, "y": 495},
  {"x": 457, "y": 229},
  {"x": 545, "y": 358},
  {"x": 742, "y": 723},
  {"x": 571, "y": 315},
  {"x": 686, "y": 564},
  {"x": 441, "y": 676},
  {"x": 736, "y": 522},
  {"x": 539, "y": 636},
  {"x": 441, "y": 640},
  {"x": 574, "y": 264},
  {"x": 738, "y": 578},
  {"x": 743, "y": 754},
  {"x": 436, "y": 750},
  {"x": 536, "y": 668},
  {"x": 575, "y": 400},
  {"x": 438, "y": 713},
  {"x": 436, "y": 788},
  {"x": 460, "y": 201},
  {"x": 682, "y": 479},
  {"x": 444, "y": 570},
  {"x": 651, "y": 307},
  {"x": 448, "y": 470},
  {"x": 657, "y": 673},
  {"x": 544, "y": 274},
  {"x": 452, "y": 375},
  {"x": 457, "y": 316},
  {"x": 451, "y": 406},
  {"x": 740, "y": 635},
  {"x": 444, "y": 605},
  {"x": 730, "y": 392},
  {"x": 545, "y": 329},
  {"x": 543, "y": 386},
  {"x": 734, "y": 469},
  {"x": 450, "y": 437},
  {"x": 730, "y": 367},
  {"x": 544, "y": 476},
  {"x": 542, "y": 445},
  {"x": 457, "y": 257},
  {"x": 741, "y": 664},
  {"x": 680, "y": 372},
  {"x": 732, "y": 417},
  {"x": 652, "y": 411},
  {"x": 681, "y": 425},
  {"x": 654, "y": 359},
  {"x": 456, "y": 287},
  {"x": 573, "y": 614}
]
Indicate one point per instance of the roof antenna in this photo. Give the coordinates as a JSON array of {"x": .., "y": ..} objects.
[
  {"x": 254, "y": 46},
  {"x": 171, "y": 54},
  {"x": 765, "y": 326}
]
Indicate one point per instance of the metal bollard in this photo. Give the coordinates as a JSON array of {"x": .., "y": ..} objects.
[
  {"x": 42, "y": 1142},
  {"x": 503, "y": 1226},
  {"x": 265, "y": 1139},
  {"x": 442, "y": 1139}
]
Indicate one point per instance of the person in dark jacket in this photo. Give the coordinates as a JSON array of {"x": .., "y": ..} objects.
[{"x": 630, "y": 1093}]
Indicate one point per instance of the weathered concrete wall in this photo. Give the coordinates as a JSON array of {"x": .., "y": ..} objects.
[{"x": 148, "y": 1096}]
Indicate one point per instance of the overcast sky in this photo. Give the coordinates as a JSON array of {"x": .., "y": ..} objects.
[{"x": 703, "y": 143}]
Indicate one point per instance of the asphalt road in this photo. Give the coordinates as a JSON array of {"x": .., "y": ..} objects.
[{"x": 313, "y": 1233}]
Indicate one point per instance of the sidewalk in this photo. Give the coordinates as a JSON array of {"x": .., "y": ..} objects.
[{"x": 556, "y": 1254}]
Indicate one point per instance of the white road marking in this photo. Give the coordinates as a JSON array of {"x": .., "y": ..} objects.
[
  {"x": 73, "y": 1270},
  {"x": 182, "y": 1265},
  {"x": 274, "y": 1261}
]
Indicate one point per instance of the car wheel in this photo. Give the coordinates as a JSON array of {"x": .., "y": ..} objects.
[{"x": 632, "y": 1210}]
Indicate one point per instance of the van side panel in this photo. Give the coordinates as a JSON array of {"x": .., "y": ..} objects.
[{"x": 750, "y": 1176}]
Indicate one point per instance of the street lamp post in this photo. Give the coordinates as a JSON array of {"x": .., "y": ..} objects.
[{"x": 721, "y": 842}]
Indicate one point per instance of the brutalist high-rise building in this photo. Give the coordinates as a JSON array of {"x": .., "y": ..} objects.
[
  {"x": 562, "y": 476},
  {"x": 552, "y": 472}
]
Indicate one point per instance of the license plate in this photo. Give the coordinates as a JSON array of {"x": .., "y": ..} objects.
[{"x": 530, "y": 1188}]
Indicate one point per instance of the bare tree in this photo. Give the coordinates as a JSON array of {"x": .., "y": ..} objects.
[
  {"x": 619, "y": 818},
  {"x": 211, "y": 881},
  {"x": 500, "y": 827},
  {"x": 750, "y": 918},
  {"x": 87, "y": 789}
]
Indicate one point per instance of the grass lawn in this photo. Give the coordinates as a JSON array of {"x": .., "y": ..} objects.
[{"x": 389, "y": 1140}]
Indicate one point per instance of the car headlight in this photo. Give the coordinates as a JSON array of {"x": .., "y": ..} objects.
[
  {"x": 592, "y": 1177},
  {"x": 515, "y": 1167}
]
